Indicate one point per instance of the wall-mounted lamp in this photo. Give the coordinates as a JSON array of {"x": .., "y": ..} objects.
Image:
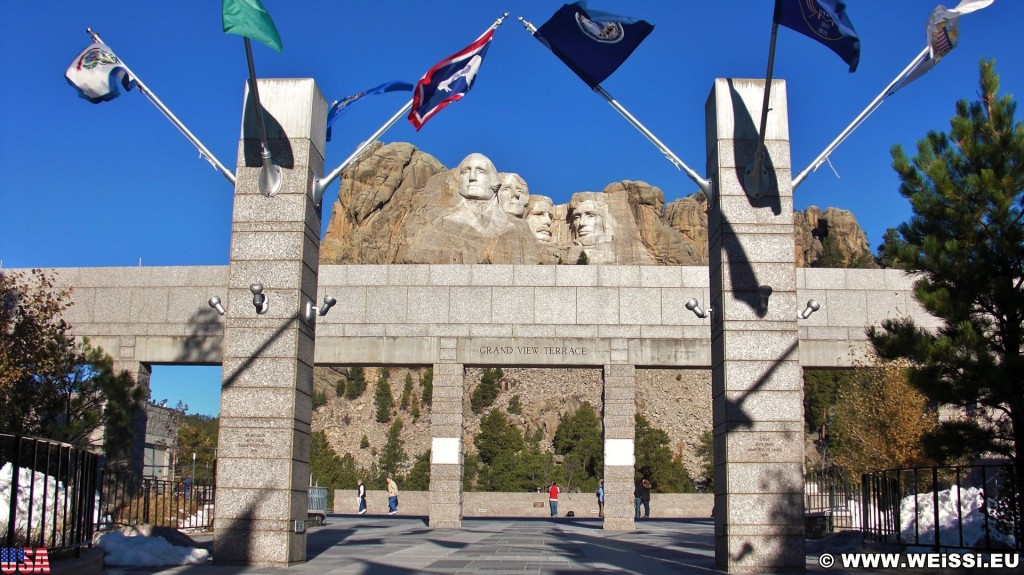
[
  {"x": 216, "y": 304},
  {"x": 765, "y": 293},
  {"x": 812, "y": 306},
  {"x": 259, "y": 299},
  {"x": 694, "y": 306},
  {"x": 311, "y": 311}
]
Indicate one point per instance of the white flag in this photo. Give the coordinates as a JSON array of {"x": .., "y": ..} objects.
[
  {"x": 943, "y": 33},
  {"x": 98, "y": 74}
]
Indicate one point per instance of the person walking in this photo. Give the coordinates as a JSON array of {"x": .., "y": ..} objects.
[
  {"x": 642, "y": 496},
  {"x": 361, "y": 497},
  {"x": 600, "y": 498},
  {"x": 553, "y": 498},
  {"x": 392, "y": 496}
]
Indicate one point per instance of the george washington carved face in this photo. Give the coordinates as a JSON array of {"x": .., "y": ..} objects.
[{"x": 477, "y": 178}]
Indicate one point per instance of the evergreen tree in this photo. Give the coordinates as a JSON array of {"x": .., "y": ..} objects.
[
  {"x": 328, "y": 468},
  {"x": 821, "y": 387},
  {"x": 382, "y": 398},
  {"x": 51, "y": 386},
  {"x": 364, "y": 442},
  {"x": 578, "y": 439},
  {"x": 356, "y": 383},
  {"x": 418, "y": 478},
  {"x": 966, "y": 239},
  {"x": 427, "y": 385},
  {"x": 498, "y": 444},
  {"x": 339, "y": 387},
  {"x": 319, "y": 399},
  {"x": 393, "y": 456},
  {"x": 414, "y": 407},
  {"x": 706, "y": 452},
  {"x": 403, "y": 403},
  {"x": 198, "y": 434},
  {"x": 515, "y": 405},
  {"x": 487, "y": 391},
  {"x": 583, "y": 259},
  {"x": 888, "y": 252},
  {"x": 655, "y": 462}
]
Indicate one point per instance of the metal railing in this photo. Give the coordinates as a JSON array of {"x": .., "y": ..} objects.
[
  {"x": 126, "y": 499},
  {"x": 52, "y": 493},
  {"x": 830, "y": 493},
  {"x": 970, "y": 507}
]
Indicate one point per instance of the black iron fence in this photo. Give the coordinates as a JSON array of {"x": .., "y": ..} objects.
[
  {"x": 973, "y": 507},
  {"x": 832, "y": 499},
  {"x": 51, "y": 492},
  {"x": 127, "y": 499}
]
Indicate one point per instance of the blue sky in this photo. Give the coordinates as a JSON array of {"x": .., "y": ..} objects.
[{"x": 114, "y": 184}]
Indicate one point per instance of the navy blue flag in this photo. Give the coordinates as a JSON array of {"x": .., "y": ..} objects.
[
  {"x": 825, "y": 21},
  {"x": 590, "y": 42},
  {"x": 448, "y": 81},
  {"x": 338, "y": 107}
]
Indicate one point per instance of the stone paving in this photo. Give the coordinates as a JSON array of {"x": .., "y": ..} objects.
[{"x": 368, "y": 545}]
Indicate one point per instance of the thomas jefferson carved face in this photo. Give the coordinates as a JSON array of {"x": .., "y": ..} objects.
[
  {"x": 513, "y": 195},
  {"x": 539, "y": 218},
  {"x": 477, "y": 178}
]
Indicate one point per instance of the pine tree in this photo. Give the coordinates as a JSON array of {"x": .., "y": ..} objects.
[
  {"x": 578, "y": 438},
  {"x": 966, "y": 238},
  {"x": 427, "y": 385},
  {"x": 356, "y": 383},
  {"x": 393, "y": 456},
  {"x": 487, "y": 391},
  {"x": 382, "y": 398},
  {"x": 403, "y": 403}
]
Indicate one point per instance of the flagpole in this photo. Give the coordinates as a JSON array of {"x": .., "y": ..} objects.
[
  {"x": 270, "y": 178},
  {"x": 320, "y": 187},
  {"x": 756, "y": 176},
  {"x": 203, "y": 152},
  {"x": 706, "y": 186},
  {"x": 885, "y": 93}
]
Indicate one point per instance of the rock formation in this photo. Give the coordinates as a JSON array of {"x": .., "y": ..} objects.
[{"x": 397, "y": 204}]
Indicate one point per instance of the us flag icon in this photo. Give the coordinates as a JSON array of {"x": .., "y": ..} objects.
[{"x": 24, "y": 560}]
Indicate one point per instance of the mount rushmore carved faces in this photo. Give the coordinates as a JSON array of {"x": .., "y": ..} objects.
[
  {"x": 538, "y": 217},
  {"x": 513, "y": 194},
  {"x": 477, "y": 177},
  {"x": 589, "y": 220}
]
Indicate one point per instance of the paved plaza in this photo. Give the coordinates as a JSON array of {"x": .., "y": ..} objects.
[{"x": 395, "y": 545}]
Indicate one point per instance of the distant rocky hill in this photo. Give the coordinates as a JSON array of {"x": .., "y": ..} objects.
[
  {"x": 398, "y": 204},
  {"x": 677, "y": 401}
]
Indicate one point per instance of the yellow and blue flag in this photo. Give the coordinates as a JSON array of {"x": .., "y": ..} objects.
[{"x": 592, "y": 43}]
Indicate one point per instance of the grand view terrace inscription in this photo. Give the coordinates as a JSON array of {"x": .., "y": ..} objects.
[{"x": 532, "y": 351}]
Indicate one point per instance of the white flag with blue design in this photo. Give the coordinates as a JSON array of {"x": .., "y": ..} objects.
[{"x": 98, "y": 74}]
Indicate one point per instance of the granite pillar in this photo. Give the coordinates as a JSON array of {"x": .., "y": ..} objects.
[
  {"x": 266, "y": 398},
  {"x": 446, "y": 458},
  {"x": 619, "y": 434},
  {"x": 756, "y": 378}
]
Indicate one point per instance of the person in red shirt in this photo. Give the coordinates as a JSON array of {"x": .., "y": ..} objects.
[{"x": 553, "y": 498}]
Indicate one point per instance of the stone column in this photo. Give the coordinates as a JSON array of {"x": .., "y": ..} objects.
[
  {"x": 619, "y": 435},
  {"x": 446, "y": 458},
  {"x": 756, "y": 378},
  {"x": 266, "y": 404}
]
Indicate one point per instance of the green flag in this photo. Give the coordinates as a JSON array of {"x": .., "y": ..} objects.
[{"x": 249, "y": 18}]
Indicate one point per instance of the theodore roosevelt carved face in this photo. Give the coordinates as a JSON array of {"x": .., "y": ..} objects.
[{"x": 538, "y": 217}]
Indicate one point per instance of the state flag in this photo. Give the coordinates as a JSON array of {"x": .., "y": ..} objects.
[
  {"x": 339, "y": 107},
  {"x": 250, "y": 19},
  {"x": 449, "y": 80},
  {"x": 98, "y": 75},
  {"x": 825, "y": 21},
  {"x": 592, "y": 43}
]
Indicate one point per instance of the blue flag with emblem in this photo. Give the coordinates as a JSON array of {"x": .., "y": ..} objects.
[
  {"x": 825, "y": 21},
  {"x": 449, "y": 80},
  {"x": 593, "y": 44},
  {"x": 339, "y": 107}
]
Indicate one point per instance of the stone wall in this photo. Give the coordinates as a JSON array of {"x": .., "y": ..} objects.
[{"x": 490, "y": 504}]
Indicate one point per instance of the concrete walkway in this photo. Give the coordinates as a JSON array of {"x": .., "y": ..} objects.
[{"x": 349, "y": 544}]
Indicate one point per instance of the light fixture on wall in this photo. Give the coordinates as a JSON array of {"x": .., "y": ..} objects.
[
  {"x": 694, "y": 306},
  {"x": 259, "y": 299},
  {"x": 765, "y": 292},
  {"x": 812, "y": 306},
  {"x": 312, "y": 311},
  {"x": 216, "y": 304}
]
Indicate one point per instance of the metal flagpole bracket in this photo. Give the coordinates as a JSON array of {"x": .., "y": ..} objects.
[
  {"x": 755, "y": 183},
  {"x": 271, "y": 178}
]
